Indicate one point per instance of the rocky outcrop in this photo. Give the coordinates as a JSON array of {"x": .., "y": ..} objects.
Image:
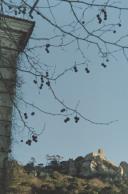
[
  {"x": 124, "y": 166},
  {"x": 91, "y": 174},
  {"x": 93, "y": 164}
]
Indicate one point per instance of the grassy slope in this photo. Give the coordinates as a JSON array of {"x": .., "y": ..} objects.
[{"x": 57, "y": 183}]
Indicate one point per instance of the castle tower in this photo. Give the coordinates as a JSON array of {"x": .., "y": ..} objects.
[
  {"x": 101, "y": 153},
  {"x": 14, "y": 34}
]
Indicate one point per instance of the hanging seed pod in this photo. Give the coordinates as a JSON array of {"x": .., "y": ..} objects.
[
  {"x": 87, "y": 70},
  {"x": 63, "y": 110},
  {"x": 25, "y": 115},
  {"x": 76, "y": 118},
  {"x": 75, "y": 68},
  {"x": 67, "y": 119},
  {"x": 32, "y": 113},
  {"x": 35, "y": 81},
  {"x": 103, "y": 65},
  {"x": 48, "y": 83}
]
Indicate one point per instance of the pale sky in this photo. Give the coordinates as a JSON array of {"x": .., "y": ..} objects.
[{"x": 102, "y": 96}]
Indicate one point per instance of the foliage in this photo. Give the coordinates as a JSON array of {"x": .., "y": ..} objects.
[{"x": 57, "y": 183}]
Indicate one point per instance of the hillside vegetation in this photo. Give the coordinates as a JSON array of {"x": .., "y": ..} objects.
[{"x": 65, "y": 177}]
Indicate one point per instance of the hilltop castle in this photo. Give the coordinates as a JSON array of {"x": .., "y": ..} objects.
[
  {"x": 100, "y": 153},
  {"x": 95, "y": 163}
]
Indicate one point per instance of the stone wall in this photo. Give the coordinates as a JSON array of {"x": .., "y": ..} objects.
[{"x": 14, "y": 34}]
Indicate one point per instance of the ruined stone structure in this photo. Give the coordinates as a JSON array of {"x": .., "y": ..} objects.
[
  {"x": 94, "y": 164},
  {"x": 14, "y": 34},
  {"x": 100, "y": 153}
]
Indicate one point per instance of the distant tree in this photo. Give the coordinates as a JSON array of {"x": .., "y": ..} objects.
[
  {"x": 78, "y": 163},
  {"x": 54, "y": 161},
  {"x": 30, "y": 166}
]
